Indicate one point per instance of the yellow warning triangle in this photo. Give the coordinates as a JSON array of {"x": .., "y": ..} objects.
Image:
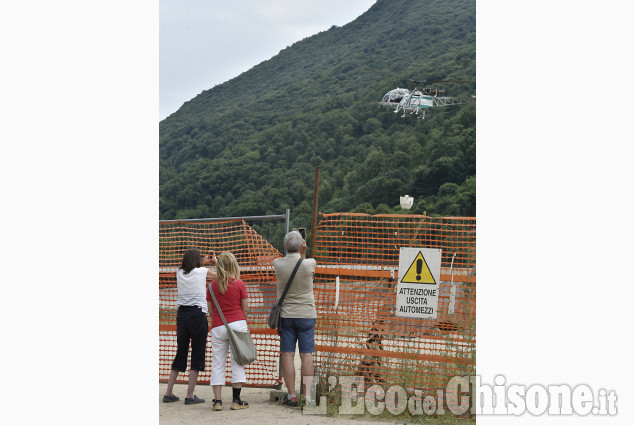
[{"x": 419, "y": 272}]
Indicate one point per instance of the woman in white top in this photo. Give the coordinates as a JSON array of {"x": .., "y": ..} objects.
[{"x": 191, "y": 322}]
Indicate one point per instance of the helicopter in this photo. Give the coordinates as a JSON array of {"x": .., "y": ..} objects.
[{"x": 417, "y": 100}]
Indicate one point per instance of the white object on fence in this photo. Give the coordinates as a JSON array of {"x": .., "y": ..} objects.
[
  {"x": 452, "y": 287},
  {"x": 337, "y": 290}
]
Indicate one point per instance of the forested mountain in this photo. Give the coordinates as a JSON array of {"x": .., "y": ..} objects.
[{"x": 250, "y": 146}]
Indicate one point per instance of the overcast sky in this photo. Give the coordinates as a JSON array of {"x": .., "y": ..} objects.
[{"x": 204, "y": 43}]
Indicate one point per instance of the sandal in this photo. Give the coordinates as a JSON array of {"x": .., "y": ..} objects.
[
  {"x": 218, "y": 404},
  {"x": 240, "y": 404},
  {"x": 289, "y": 401}
]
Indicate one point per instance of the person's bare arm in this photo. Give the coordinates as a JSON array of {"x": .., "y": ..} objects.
[
  {"x": 303, "y": 249},
  {"x": 243, "y": 305},
  {"x": 209, "y": 260},
  {"x": 211, "y": 274}
]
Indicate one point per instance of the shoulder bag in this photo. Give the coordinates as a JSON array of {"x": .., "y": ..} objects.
[
  {"x": 276, "y": 309},
  {"x": 242, "y": 346}
]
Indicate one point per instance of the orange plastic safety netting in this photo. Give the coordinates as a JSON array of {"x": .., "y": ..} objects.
[
  {"x": 358, "y": 331},
  {"x": 362, "y": 334},
  {"x": 255, "y": 257}
]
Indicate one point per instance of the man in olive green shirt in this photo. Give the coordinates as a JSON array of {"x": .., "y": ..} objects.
[{"x": 298, "y": 315}]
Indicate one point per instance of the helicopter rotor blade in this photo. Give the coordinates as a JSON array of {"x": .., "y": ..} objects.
[{"x": 441, "y": 81}]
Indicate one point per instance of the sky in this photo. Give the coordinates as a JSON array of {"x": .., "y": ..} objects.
[{"x": 206, "y": 43}]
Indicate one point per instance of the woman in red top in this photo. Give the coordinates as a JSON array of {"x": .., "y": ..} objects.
[{"x": 231, "y": 294}]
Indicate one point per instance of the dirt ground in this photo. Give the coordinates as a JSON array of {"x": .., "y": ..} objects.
[{"x": 261, "y": 411}]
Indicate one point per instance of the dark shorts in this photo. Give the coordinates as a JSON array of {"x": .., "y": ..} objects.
[
  {"x": 300, "y": 330},
  {"x": 191, "y": 325}
]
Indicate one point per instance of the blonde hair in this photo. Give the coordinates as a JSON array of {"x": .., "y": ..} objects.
[{"x": 226, "y": 268}]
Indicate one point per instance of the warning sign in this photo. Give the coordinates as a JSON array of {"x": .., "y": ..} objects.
[
  {"x": 418, "y": 272},
  {"x": 418, "y": 282}
]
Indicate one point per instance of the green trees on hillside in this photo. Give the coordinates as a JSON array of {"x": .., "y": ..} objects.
[{"x": 250, "y": 145}]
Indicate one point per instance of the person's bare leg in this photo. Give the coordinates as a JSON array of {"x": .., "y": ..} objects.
[
  {"x": 171, "y": 381},
  {"x": 217, "y": 391},
  {"x": 288, "y": 372},
  {"x": 191, "y": 383},
  {"x": 307, "y": 371}
]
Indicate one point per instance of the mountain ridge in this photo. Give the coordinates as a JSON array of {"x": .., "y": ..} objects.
[{"x": 315, "y": 104}]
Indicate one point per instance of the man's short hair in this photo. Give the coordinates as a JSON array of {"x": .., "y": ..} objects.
[{"x": 293, "y": 241}]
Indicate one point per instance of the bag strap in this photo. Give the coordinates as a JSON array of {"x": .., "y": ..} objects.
[
  {"x": 286, "y": 289},
  {"x": 220, "y": 312}
]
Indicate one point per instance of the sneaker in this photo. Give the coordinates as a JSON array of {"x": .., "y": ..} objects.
[
  {"x": 170, "y": 398},
  {"x": 290, "y": 401},
  {"x": 194, "y": 400}
]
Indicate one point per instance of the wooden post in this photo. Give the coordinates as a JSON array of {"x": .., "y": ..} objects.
[{"x": 316, "y": 189}]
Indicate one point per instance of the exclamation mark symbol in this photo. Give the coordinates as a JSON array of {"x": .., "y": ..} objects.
[{"x": 419, "y": 268}]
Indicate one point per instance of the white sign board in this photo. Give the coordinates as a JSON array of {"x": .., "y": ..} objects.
[{"x": 418, "y": 283}]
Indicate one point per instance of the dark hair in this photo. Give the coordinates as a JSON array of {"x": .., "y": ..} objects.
[{"x": 191, "y": 260}]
